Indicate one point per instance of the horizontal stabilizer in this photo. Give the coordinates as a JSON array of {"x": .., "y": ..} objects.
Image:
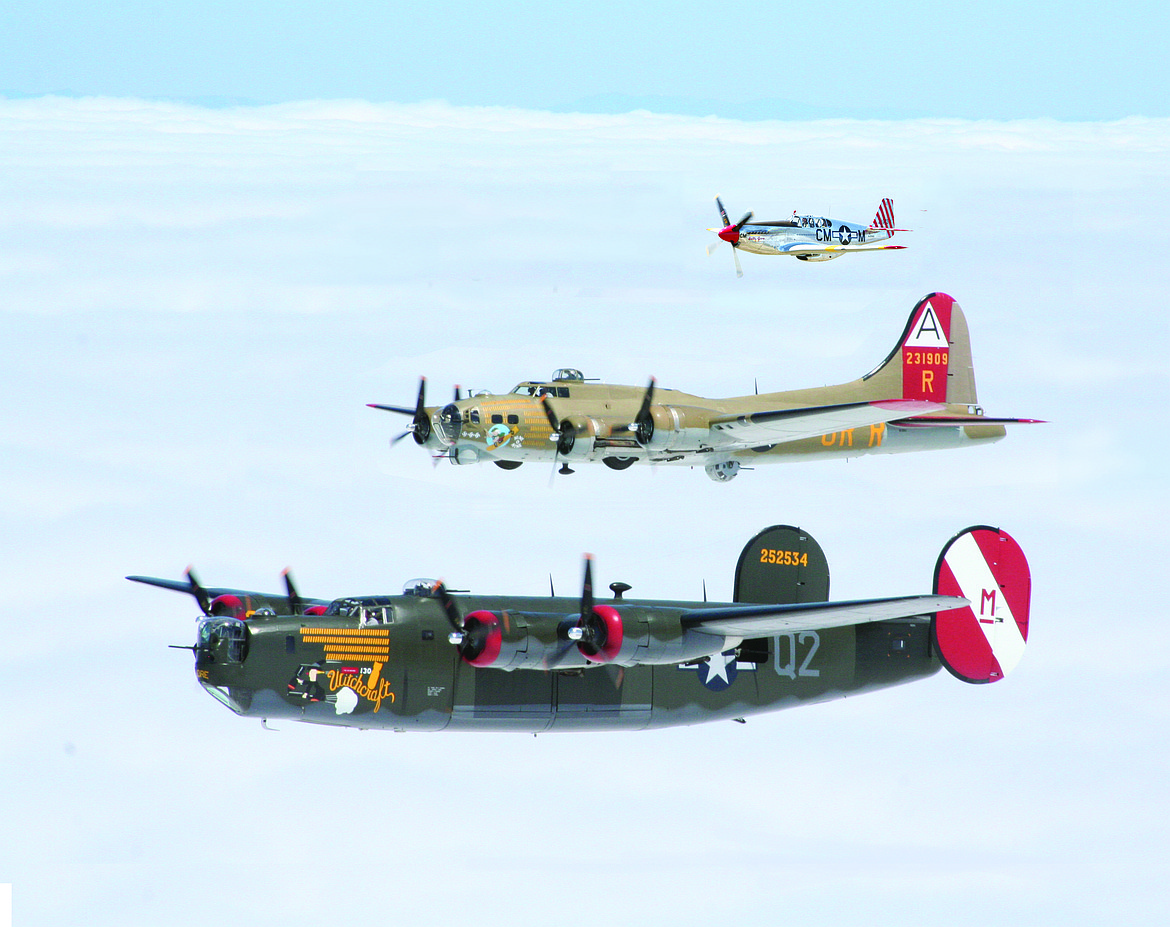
[
  {"x": 757, "y": 620},
  {"x": 950, "y": 421}
]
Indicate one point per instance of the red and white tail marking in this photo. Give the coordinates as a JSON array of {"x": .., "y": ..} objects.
[
  {"x": 926, "y": 350},
  {"x": 885, "y": 216},
  {"x": 984, "y": 641}
]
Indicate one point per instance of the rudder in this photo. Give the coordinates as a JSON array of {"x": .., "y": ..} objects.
[
  {"x": 884, "y": 220},
  {"x": 781, "y": 565},
  {"x": 932, "y": 359},
  {"x": 983, "y": 641}
]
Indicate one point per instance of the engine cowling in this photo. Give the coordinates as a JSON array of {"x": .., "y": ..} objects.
[
  {"x": 668, "y": 426},
  {"x": 576, "y": 434},
  {"x": 513, "y": 640},
  {"x": 642, "y": 637},
  {"x": 228, "y": 604},
  {"x": 602, "y": 637},
  {"x": 636, "y": 636},
  {"x": 484, "y": 639}
]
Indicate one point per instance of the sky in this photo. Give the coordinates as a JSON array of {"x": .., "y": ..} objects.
[
  {"x": 1068, "y": 60},
  {"x": 224, "y": 231}
]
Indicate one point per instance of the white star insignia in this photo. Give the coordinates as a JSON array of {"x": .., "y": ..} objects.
[{"x": 717, "y": 666}]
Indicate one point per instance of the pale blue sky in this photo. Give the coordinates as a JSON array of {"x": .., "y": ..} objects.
[{"x": 995, "y": 60}]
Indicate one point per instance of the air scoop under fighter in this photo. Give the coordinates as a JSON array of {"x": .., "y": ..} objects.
[
  {"x": 429, "y": 659},
  {"x": 921, "y": 397}
]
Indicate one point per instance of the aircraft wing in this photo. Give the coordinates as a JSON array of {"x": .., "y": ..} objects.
[
  {"x": 805, "y": 248},
  {"x": 781, "y": 425},
  {"x": 212, "y": 592},
  {"x": 760, "y": 620}
]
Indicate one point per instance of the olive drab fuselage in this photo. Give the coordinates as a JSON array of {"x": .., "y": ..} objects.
[
  {"x": 431, "y": 660},
  {"x": 403, "y": 674}
]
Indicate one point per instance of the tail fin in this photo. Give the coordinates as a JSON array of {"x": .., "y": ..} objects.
[
  {"x": 932, "y": 359},
  {"x": 984, "y": 641},
  {"x": 782, "y": 565},
  {"x": 884, "y": 220}
]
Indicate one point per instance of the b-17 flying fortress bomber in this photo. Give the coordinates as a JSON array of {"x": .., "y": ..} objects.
[
  {"x": 921, "y": 397},
  {"x": 431, "y": 660}
]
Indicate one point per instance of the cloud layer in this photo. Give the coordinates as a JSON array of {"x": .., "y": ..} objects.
[{"x": 198, "y": 304}]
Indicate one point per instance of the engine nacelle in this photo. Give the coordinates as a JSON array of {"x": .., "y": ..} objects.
[
  {"x": 513, "y": 640},
  {"x": 629, "y": 636},
  {"x": 643, "y": 637},
  {"x": 668, "y": 427},
  {"x": 601, "y": 637},
  {"x": 576, "y": 435}
]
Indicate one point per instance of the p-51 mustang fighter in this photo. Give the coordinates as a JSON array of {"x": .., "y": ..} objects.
[
  {"x": 431, "y": 660},
  {"x": 921, "y": 397},
  {"x": 807, "y": 238}
]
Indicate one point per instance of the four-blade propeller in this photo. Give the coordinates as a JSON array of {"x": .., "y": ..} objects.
[{"x": 730, "y": 234}]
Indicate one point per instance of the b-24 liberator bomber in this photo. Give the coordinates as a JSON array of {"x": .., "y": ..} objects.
[
  {"x": 921, "y": 397},
  {"x": 806, "y": 238},
  {"x": 430, "y": 659}
]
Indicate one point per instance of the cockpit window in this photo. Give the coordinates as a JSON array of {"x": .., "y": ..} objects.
[
  {"x": 368, "y": 609},
  {"x": 524, "y": 389},
  {"x": 375, "y": 614}
]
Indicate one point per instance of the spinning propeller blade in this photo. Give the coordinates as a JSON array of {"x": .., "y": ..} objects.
[
  {"x": 198, "y": 592},
  {"x": 722, "y": 212},
  {"x": 420, "y": 425},
  {"x": 295, "y": 604},
  {"x": 643, "y": 425}
]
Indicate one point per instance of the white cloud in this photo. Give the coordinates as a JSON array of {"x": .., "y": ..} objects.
[{"x": 197, "y": 304}]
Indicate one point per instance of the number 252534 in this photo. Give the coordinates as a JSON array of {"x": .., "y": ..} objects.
[{"x": 783, "y": 557}]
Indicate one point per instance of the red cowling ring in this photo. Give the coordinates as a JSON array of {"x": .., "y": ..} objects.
[
  {"x": 495, "y": 638},
  {"x": 613, "y": 635},
  {"x": 227, "y": 604}
]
